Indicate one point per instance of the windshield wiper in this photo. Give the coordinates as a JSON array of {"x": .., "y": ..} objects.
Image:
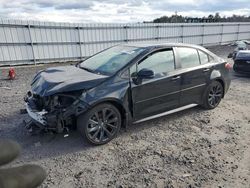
[
  {"x": 93, "y": 71},
  {"x": 87, "y": 69}
]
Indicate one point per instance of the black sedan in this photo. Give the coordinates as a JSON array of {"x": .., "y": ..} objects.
[
  {"x": 242, "y": 62},
  {"x": 125, "y": 84}
]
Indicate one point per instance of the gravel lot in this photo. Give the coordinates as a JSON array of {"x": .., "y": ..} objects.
[{"x": 193, "y": 148}]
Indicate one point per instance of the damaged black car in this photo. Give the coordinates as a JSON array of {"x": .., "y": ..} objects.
[{"x": 126, "y": 84}]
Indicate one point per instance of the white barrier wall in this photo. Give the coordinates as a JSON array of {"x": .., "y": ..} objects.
[{"x": 29, "y": 42}]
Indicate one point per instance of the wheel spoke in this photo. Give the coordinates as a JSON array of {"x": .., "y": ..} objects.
[
  {"x": 110, "y": 114},
  {"x": 110, "y": 125},
  {"x": 93, "y": 122},
  {"x": 97, "y": 117},
  {"x": 104, "y": 114},
  {"x": 95, "y": 135},
  {"x": 216, "y": 100},
  {"x": 218, "y": 90},
  {"x": 210, "y": 95},
  {"x": 215, "y": 88},
  {"x": 101, "y": 134},
  {"x": 211, "y": 101},
  {"x": 107, "y": 131},
  {"x": 218, "y": 95},
  {"x": 93, "y": 129},
  {"x": 113, "y": 120}
]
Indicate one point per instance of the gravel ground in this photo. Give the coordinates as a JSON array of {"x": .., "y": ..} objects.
[{"x": 193, "y": 148}]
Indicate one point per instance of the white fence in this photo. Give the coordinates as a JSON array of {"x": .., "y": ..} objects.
[{"x": 23, "y": 42}]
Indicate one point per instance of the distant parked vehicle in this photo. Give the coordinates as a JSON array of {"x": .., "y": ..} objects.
[
  {"x": 241, "y": 45},
  {"x": 125, "y": 84},
  {"x": 242, "y": 62}
]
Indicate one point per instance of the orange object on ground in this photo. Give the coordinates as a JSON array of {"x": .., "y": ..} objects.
[{"x": 12, "y": 73}]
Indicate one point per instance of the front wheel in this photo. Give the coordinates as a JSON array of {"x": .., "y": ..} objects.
[
  {"x": 213, "y": 95},
  {"x": 100, "y": 125}
]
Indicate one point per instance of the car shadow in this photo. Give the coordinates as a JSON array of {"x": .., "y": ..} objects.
[
  {"x": 48, "y": 145},
  {"x": 166, "y": 119},
  {"x": 44, "y": 145},
  {"x": 241, "y": 75}
]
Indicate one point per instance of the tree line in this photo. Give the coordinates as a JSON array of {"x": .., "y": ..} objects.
[{"x": 210, "y": 18}]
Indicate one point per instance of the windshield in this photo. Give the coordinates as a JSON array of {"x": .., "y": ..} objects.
[
  {"x": 241, "y": 44},
  {"x": 111, "y": 60}
]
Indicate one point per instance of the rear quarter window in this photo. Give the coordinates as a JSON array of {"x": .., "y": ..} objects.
[{"x": 204, "y": 58}]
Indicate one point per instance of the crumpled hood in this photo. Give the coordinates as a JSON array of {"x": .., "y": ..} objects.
[{"x": 64, "y": 79}]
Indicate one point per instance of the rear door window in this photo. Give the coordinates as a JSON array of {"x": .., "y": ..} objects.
[{"x": 188, "y": 57}]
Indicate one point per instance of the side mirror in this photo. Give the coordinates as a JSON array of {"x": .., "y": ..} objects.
[
  {"x": 145, "y": 74},
  {"x": 230, "y": 55}
]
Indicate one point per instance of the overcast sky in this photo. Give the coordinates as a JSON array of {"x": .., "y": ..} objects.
[{"x": 116, "y": 11}]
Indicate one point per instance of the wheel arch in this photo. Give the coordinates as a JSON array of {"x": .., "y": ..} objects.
[
  {"x": 118, "y": 104},
  {"x": 217, "y": 76},
  {"x": 212, "y": 80}
]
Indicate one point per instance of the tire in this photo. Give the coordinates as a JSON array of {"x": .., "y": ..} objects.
[
  {"x": 213, "y": 95},
  {"x": 235, "y": 70},
  {"x": 97, "y": 128}
]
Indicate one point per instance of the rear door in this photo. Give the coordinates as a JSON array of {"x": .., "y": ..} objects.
[
  {"x": 159, "y": 94},
  {"x": 195, "y": 72}
]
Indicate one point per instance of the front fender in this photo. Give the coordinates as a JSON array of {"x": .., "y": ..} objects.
[{"x": 116, "y": 92}]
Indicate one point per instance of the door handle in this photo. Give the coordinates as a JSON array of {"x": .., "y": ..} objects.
[
  {"x": 175, "y": 78},
  {"x": 206, "y": 70}
]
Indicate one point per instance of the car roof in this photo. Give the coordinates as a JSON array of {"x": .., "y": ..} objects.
[
  {"x": 243, "y": 54},
  {"x": 155, "y": 45},
  {"x": 244, "y": 51},
  {"x": 151, "y": 45}
]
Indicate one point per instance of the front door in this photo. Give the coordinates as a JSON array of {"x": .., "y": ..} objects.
[{"x": 157, "y": 94}]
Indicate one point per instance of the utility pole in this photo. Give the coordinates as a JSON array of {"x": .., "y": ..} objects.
[{"x": 176, "y": 14}]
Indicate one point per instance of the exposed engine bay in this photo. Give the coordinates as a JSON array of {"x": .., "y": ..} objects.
[{"x": 57, "y": 112}]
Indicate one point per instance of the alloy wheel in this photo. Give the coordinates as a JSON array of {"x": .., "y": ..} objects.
[
  {"x": 215, "y": 95},
  {"x": 102, "y": 125}
]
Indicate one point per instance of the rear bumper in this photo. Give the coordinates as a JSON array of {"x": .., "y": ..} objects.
[
  {"x": 36, "y": 116},
  {"x": 241, "y": 68}
]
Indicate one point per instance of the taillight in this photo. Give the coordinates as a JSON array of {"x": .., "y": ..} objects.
[{"x": 228, "y": 66}]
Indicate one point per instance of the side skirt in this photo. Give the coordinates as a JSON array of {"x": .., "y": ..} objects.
[{"x": 166, "y": 113}]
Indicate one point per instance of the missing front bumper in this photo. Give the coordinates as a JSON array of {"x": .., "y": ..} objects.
[
  {"x": 38, "y": 117},
  {"x": 56, "y": 120}
]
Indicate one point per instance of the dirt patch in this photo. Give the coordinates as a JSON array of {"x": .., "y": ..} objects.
[{"x": 193, "y": 148}]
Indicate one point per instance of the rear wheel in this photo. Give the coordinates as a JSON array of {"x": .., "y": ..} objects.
[
  {"x": 100, "y": 125},
  {"x": 213, "y": 95}
]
